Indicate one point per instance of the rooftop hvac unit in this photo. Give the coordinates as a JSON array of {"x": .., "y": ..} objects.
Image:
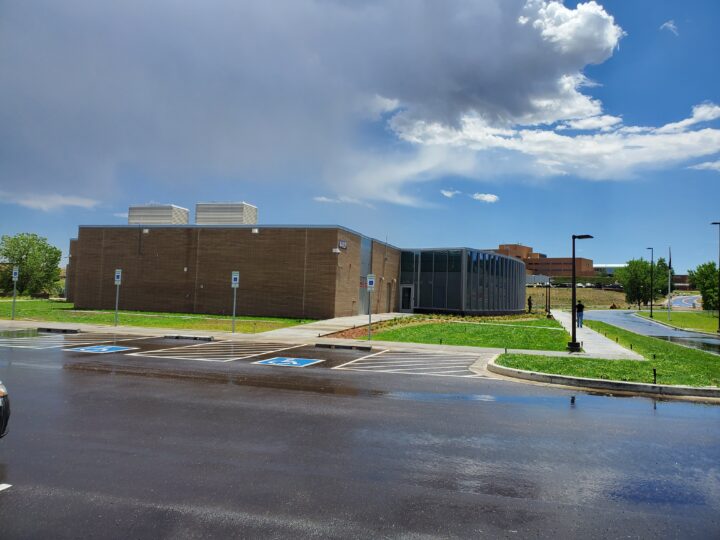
[
  {"x": 240, "y": 213},
  {"x": 158, "y": 214}
]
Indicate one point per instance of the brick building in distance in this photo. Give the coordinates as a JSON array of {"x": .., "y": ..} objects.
[{"x": 539, "y": 263}]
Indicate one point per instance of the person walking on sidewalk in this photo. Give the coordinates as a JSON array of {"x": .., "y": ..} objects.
[{"x": 579, "y": 309}]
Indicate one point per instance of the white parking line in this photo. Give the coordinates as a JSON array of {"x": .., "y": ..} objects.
[
  {"x": 218, "y": 351},
  {"x": 361, "y": 358},
  {"x": 5, "y": 486},
  {"x": 411, "y": 363},
  {"x": 54, "y": 341}
]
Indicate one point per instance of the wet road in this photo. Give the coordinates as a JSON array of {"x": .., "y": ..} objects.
[
  {"x": 627, "y": 320},
  {"x": 117, "y": 456},
  {"x": 686, "y": 301}
]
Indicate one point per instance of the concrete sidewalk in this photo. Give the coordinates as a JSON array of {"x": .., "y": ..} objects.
[
  {"x": 303, "y": 333},
  {"x": 310, "y": 331},
  {"x": 594, "y": 343}
]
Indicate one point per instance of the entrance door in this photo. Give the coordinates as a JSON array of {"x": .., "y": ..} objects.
[{"x": 406, "y": 298}]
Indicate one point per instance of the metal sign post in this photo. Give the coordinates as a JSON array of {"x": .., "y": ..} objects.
[
  {"x": 118, "y": 282},
  {"x": 370, "y": 289},
  {"x": 234, "y": 283},
  {"x": 15, "y": 275}
]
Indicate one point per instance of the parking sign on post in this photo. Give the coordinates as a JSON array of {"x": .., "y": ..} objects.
[
  {"x": 234, "y": 283},
  {"x": 118, "y": 282},
  {"x": 370, "y": 284},
  {"x": 15, "y": 276}
]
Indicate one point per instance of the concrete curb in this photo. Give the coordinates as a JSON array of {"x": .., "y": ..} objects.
[
  {"x": 602, "y": 384},
  {"x": 716, "y": 334}
]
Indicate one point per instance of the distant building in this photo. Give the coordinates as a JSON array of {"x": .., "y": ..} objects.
[
  {"x": 539, "y": 263},
  {"x": 681, "y": 282},
  {"x": 158, "y": 214},
  {"x": 608, "y": 269}
]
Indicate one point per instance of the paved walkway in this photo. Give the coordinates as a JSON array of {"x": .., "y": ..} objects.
[
  {"x": 292, "y": 334},
  {"x": 593, "y": 342},
  {"x": 310, "y": 331}
]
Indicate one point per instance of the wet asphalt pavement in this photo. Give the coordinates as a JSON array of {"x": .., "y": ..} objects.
[
  {"x": 315, "y": 452},
  {"x": 629, "y": 321}
]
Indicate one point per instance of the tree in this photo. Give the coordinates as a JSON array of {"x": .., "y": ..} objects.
[
  {"x": 661, "y": 277},
  {"x": 38, "y": 261},
  {"x": 705, "y": 279},
  {"x": 635, "y": 279}
]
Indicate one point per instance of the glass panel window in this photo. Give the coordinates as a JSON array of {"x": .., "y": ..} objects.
[
  {"x": 440, "y": 280},
  {"x": 426, "y": 279}
]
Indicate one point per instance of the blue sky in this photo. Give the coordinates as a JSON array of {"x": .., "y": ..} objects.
[{"x": 560, "y": 118}]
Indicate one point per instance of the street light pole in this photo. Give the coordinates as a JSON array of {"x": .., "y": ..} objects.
[
  {"x": 652, "y": 277},
  {"x": 718, "y": 223},
  {"x": 574, "y": 346}
]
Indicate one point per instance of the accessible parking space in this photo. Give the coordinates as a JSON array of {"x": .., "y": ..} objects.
[
  {"x": 415, "y": 363},
  {"x": 331, "y": 357},
  {"x": 52, "y": 340}
]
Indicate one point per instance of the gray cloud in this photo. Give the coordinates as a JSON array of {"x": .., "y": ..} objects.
[{"x": 271, "y": 90}]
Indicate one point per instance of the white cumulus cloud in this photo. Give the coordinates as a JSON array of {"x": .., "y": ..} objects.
[
  {"x": 603, "y": 122},
  {"x": 707, "y": 166},
  {"x": 485, "y": 197},
  {"x": 599, "y": 155},
  {"x": 449, "y": 193}
]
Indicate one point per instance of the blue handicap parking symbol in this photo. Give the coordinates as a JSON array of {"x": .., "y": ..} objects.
[
  {"x": 101, "y": 349},
  {"x": 285, "y": 361}
]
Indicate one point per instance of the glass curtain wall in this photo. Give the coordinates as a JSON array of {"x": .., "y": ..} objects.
[{"x": 464, "y": 281}]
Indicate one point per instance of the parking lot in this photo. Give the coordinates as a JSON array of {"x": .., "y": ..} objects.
[
  {"x": 118, "y": 348},
  {"x": 177, "y": 438}
]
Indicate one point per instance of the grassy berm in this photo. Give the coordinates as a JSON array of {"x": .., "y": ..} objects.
[
  {"x": 64, "y": 312},
  {"x": 514, "y": 332},
  {"x": 703, "y": 321},
  {"x": 675, "y": 364}
]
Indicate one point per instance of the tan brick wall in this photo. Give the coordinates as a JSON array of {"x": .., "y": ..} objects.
[
  {"x": 289, "y": 272},
  {"x": 347, "y": 285},
  {"x": 386, "y": 267}
]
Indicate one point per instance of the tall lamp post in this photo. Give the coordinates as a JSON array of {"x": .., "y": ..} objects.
[
  {"x": 574, "y": 346},
  {"x": 652, "y": 278},
  {"x": 718, "y": 223}
]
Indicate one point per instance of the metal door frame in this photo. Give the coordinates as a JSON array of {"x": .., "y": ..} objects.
[{"x": 412, "y": 298}]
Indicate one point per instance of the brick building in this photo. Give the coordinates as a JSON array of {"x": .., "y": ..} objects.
[
  {"x": 539, "y": 263},
  {"x": 285, "y": 271},
  {"x": 314, "y": 272}
]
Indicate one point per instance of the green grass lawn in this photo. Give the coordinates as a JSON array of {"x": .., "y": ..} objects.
[
  {"x": 64, "y": 312},
  {"x": 703, "y": 321},
  {"x": 675, "y": 364},
  {"x": 540, "y": 334}
]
